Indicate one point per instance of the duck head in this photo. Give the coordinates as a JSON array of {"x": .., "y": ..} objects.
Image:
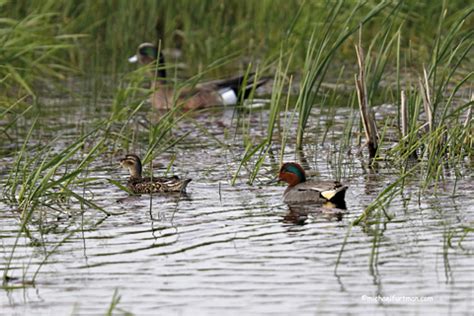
[
  {"x": 133, "y": 164},
  {"x": 291, "y": 173},
  {"x": 148, "y": 53}
]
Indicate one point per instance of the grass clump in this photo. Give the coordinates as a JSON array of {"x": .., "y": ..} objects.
[{"x": 33, "y": 49}]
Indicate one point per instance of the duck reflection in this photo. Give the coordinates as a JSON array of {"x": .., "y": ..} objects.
[{"x": 298, "y": 213}]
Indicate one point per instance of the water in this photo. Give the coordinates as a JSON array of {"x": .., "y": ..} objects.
[{"x": 226, "y": 249}]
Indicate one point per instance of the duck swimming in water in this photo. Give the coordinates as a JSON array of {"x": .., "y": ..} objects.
[
  {"x": 203, "y": 95},
  {"x": 138, "y": 184},
  {"x": 301, "y": 190}
]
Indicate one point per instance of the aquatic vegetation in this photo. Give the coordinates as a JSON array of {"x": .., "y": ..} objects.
[
  {"x": 430, "y": 144},
  {"x": 33, "y": 49},
  {"x": 322, "y": 47}
]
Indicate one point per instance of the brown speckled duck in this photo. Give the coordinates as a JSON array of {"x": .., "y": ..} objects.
[
  {"x": 208, "y": 94},
  {"x": 301, "y": 190},
  {"x": 138, "y": 184}
]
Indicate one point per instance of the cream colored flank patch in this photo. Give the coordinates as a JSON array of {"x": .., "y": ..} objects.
[{"x": 328, "y": 195}]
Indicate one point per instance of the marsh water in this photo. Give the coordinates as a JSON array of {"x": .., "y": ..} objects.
[{"x": 231, "y": 249}]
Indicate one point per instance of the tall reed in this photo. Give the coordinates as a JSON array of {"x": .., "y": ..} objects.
[
  {"x": 323, "y": 45},
  {"x": 31, "y": 46}
]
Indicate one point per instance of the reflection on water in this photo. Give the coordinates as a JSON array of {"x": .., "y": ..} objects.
[
  {"x": 234, "y": 249},
  {"x": 299, "y": 213}
]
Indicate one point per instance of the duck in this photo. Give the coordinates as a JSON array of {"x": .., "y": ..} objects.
[
  {"x": 208, "y": 94},
  {"x": 138, "y": 184},
  {"x": 301, "y": 190}
]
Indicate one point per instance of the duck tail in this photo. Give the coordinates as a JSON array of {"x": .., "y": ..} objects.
[
  {"x": 244, "y": 85},
  {"x": 185, "y": 184},
  {"x": 252, "y": 86}
]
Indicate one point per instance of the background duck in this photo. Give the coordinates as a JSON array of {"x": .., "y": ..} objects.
[
  {"x": 139, "y": 184},
  {"x": 208, "y": 94},
  {"x": 301, "y": 190}
]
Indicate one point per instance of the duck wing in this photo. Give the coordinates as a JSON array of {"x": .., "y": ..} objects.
[
  {"x": 154, "y": 179},
  {"x": 312, "y": 191},
  {"x": 158, "y": 184},
  {"x": 236, "y": 84}
]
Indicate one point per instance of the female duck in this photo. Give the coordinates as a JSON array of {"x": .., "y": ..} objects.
[
  {"x": 213, "y": 93},
  {"x": 138, "y": 184},
  {"x": 300, "y": 190}
]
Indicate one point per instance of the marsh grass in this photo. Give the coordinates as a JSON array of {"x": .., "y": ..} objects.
[
  {"x": 440, "y": 130},
  {"x": 30, "y": 49},
  {"x": 434, "y": 128},
  {"x": 42, "y": 179},
  {"x": 323, "y": 46},
  {"x": 47, "y": 181},
  {"x": 443, "y": 83},
  {"x": 256, "y": 151}
]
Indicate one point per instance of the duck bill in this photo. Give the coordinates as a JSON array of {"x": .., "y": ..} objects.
[
  {"x": 122, "y": 163},
  {"x": 133, "y": 59}
]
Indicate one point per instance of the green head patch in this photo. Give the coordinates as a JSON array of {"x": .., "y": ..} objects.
[
  {"x": 149, "y": 51},
  {"x": 294, "y": 169}
]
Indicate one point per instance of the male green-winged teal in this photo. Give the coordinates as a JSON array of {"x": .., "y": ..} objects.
[
  {"x": 138, "y": 184},
  {"x": 208, "y": 94},
  {"x": 300, "y": 190}
]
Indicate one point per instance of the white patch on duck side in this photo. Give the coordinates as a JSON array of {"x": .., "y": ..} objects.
[
  {"x": 133, "y": 59},
  {"x": 228, "y": 96}
]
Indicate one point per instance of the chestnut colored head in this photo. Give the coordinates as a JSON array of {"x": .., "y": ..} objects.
[{"x": 292, "y": 173}]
